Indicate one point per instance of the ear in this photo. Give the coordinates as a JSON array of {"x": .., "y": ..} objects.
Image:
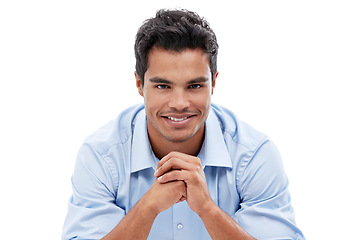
[
  {"x": 214, "y": 82},
  {"x": 138, "y": 83}
]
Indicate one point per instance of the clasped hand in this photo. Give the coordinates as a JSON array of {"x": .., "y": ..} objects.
[{"x": 176, "y": 167}]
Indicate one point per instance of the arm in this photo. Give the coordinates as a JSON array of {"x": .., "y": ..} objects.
[
  {"x": 137, "y": 223},
  {"x": 263, "y": 187},
  {"x": 92, "y": 212},
  {"x": 181, "y": 167},
  {"x": 221, "y": 226}
]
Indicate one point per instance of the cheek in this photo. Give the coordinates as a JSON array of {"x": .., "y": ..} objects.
[
  {"x": 203, "y": 101},
  {"x": 152, "y": 101}
]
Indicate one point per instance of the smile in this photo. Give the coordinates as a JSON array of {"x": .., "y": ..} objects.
[{"x": 177, "y": 119}]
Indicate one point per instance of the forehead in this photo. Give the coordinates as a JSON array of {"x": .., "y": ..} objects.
[{"x": 187, "y": 64}]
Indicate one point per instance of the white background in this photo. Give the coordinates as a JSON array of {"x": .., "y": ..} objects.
[{"x": 289, "y": 68}]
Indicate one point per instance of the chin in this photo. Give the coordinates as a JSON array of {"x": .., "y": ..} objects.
[{"x": 178, "y": 138}]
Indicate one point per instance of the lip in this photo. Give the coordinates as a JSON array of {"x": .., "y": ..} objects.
[{"x": 178, "y": 121}]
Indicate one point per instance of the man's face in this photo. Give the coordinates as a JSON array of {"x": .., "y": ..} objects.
[{"x": 177, "y": 93}]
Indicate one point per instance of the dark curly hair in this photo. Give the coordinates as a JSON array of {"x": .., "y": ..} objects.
[{"x": 174, "y": 30}]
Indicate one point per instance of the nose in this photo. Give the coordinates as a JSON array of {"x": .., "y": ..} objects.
[{"x": 179, "y": 100}]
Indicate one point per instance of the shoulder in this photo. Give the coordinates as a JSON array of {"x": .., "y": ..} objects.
[
  {"x": 115, "y": 132},
  {"x": 239, "y": 132}
]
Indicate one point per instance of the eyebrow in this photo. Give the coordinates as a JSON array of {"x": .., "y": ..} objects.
[{"x": 165, "y": 81}]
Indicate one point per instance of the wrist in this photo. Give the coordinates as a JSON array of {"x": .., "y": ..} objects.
[
  {"x": 149, "y": 207},
  {"x": 208, "y": 209}
]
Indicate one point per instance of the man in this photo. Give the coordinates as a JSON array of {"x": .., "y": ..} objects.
[{"x": 178, "y": 167}]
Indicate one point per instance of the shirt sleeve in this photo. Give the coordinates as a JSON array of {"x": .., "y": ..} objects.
[
  {"x": 92, "y": 211},
  {"x": 265, "y": 210}
]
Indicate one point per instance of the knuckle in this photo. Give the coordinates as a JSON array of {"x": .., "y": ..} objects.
[
  {"x": 172, "y": 161},
  {"x": 176, "y": 174},
  {"x": 199, "y": 168},
  {"x": 179, "y": 183},
  {"x": 173, "y": 153},
  {"x": 194, "y": 177}
]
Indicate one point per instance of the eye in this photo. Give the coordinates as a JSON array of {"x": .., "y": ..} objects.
[
  {"x": 195, "y": 86},
  {"x": 161, "y": 86}
]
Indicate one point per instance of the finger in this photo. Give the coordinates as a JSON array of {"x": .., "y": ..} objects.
[
  {"x": 175, "y": 175},
  {"x": 171, "y": 155},
  {"x": 183, "y": 156},
  {"x": 172, "y": 164}
]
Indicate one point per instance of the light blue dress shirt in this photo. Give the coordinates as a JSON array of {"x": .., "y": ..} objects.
[{"x": 243, "y": 169}]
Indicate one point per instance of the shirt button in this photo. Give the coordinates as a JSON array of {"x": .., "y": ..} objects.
[{"x": 179, "y": 226}]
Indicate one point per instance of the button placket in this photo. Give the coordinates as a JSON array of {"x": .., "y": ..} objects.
[{"x": 179, "y": 221}]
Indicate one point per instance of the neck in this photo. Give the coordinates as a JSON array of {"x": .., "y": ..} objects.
[{"x": 161, "y": 146}]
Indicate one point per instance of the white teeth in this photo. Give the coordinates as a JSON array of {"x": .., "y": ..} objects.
[{"x": 177, "y": 119}]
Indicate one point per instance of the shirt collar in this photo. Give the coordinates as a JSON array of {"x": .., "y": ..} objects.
[
  {"x": 142, "y": 154},
  {"x": 214, "y": 151}
]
